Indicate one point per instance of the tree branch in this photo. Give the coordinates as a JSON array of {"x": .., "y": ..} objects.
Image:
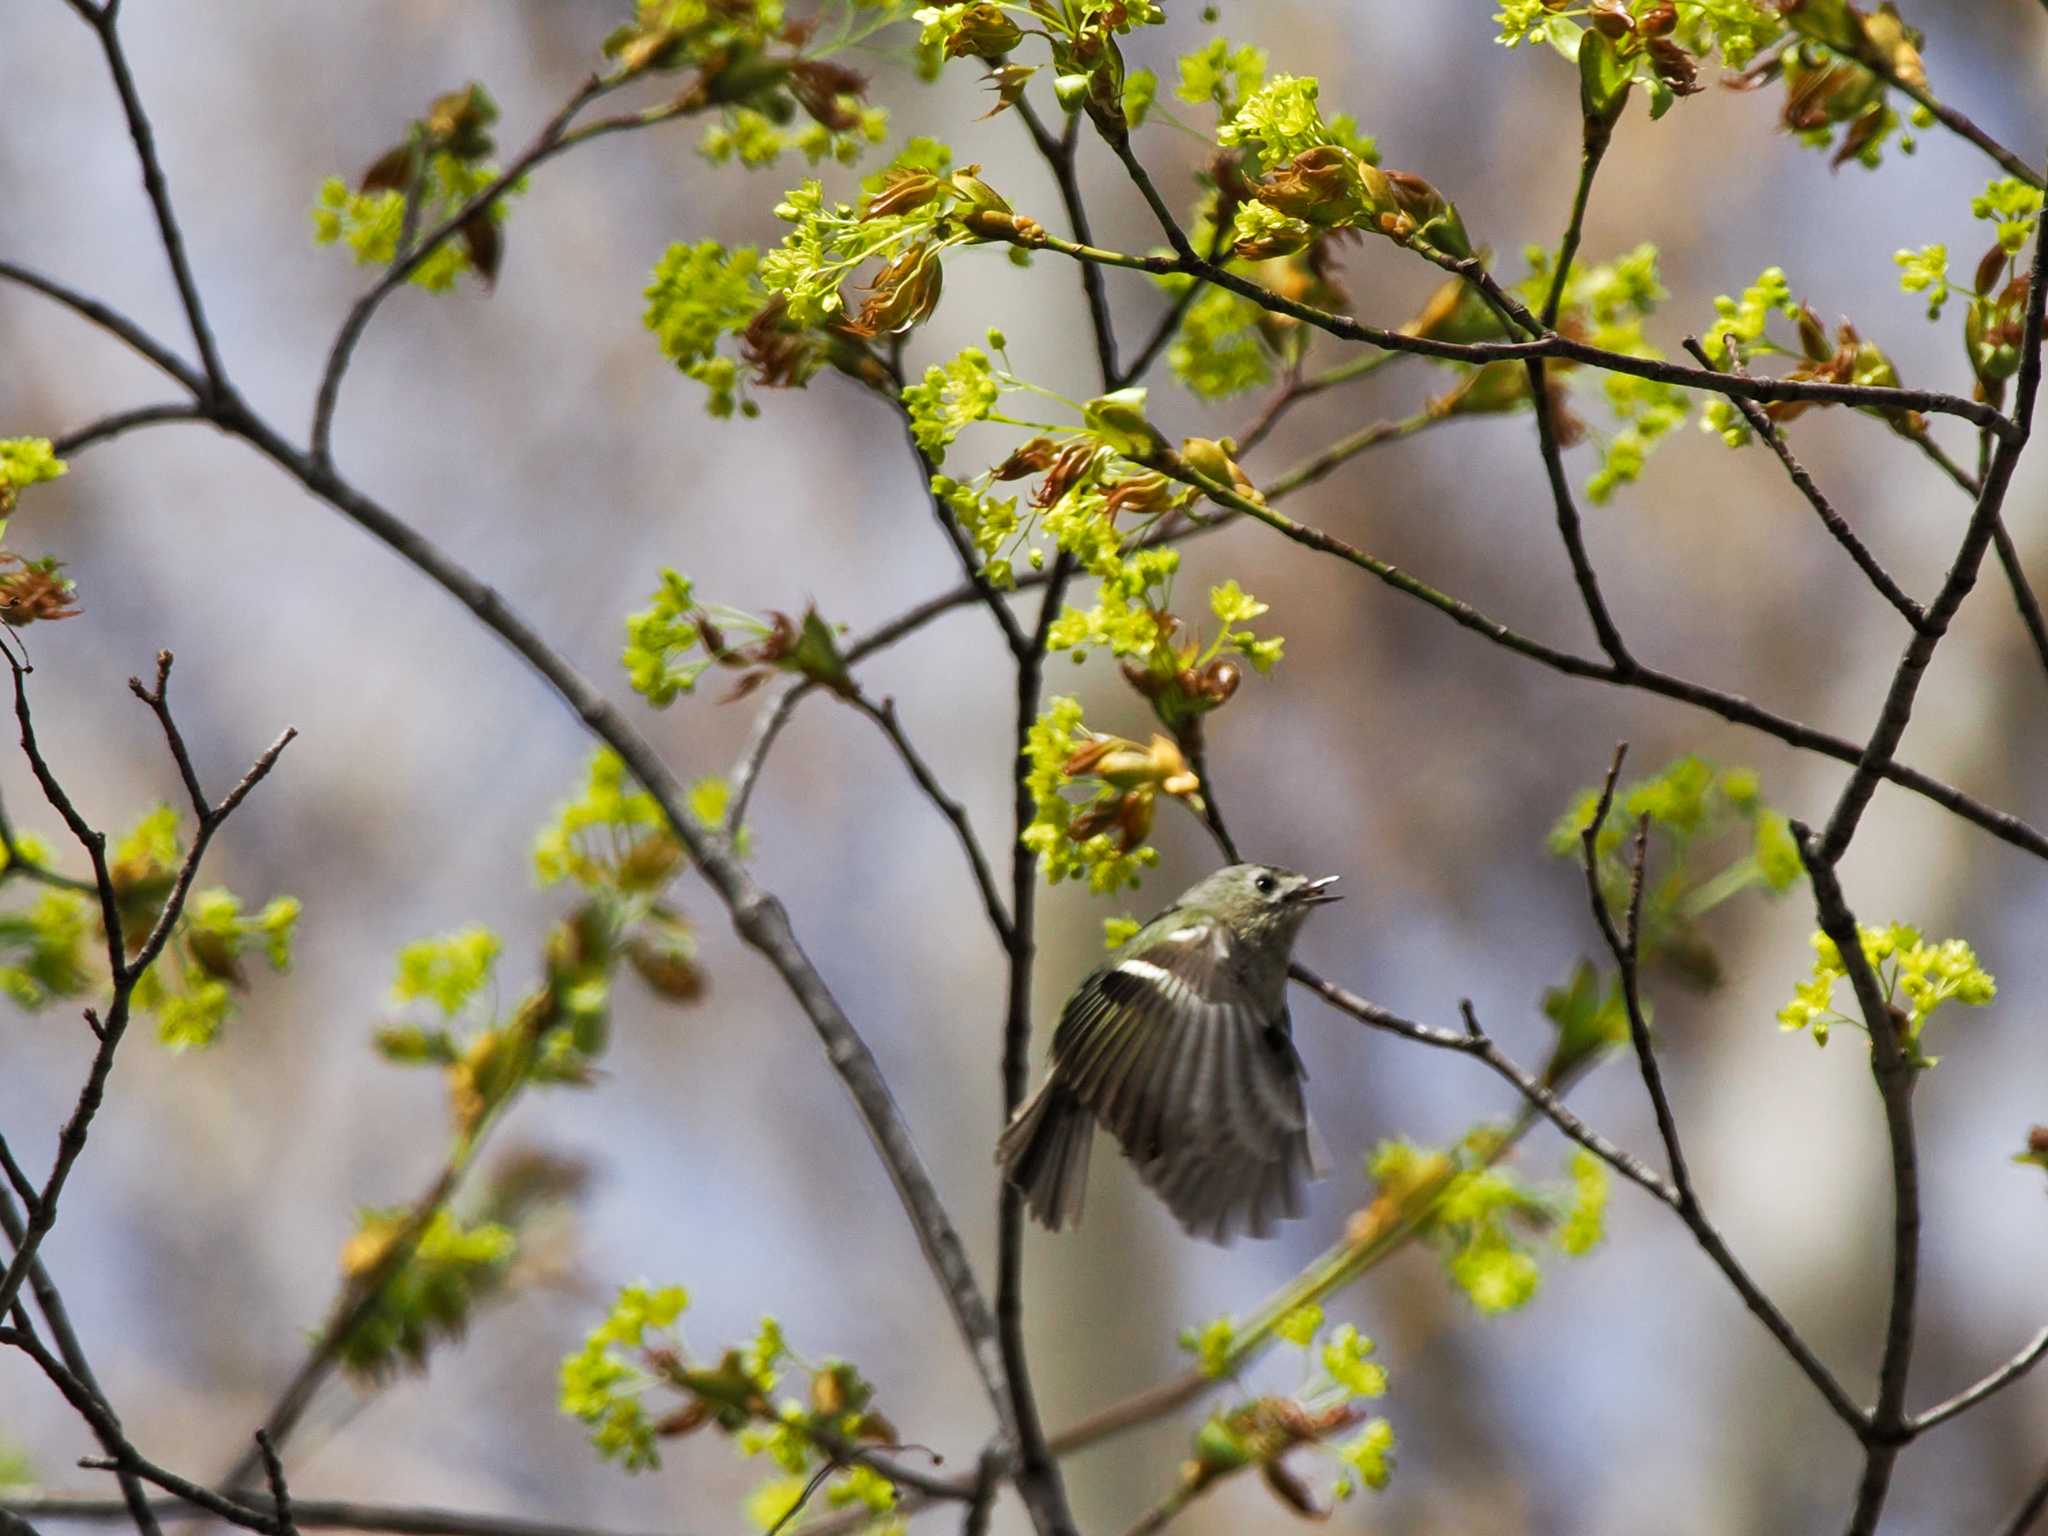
[
  {"x": 884, "y": 716},
  {"x": 312, "y": 1514},
  {"x": 1962, "y": 576},
  {"x": 1833, "y": 521},
  {"x": 1997, "y": 1381},
  {"x": 1888, "y": 1427},
  {"x": 103, "y": 24},
  {"x": 120, "y": 422}
]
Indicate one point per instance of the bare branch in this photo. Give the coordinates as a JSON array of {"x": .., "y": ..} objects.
[
  {"x": 103, "y": 25},
  {"x": 1626, "y": 948},
  {"x": 1888, "y": 1427},
  {"x": 1058, "y": 154},
  {"x": 2022, "y": 1519},
  {"x": 1475, "y": 1042},
  {"x": 120, "y": 422},
  {"x": 1997, "y": 1381},
  {"x": 157, "y": 700},
  {"x": 57, "y": 1319},
  {"x": 1833, "y": 521},
  {"x": 110, "y": 320},
  {"x": 884, "y": 716},
  {"x": 312, "y": 1514},
  {"x": 1962, "y": 576}
]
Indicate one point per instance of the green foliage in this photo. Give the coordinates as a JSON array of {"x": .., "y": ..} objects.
[
  {"x": 45, "y": 948},
  {"x": 430, "y": 1295},
  {"x": 1221, "y": 349},
  {"x": 369, "y": 220},
  {"x": 1743, "y": 320},
  {"x": 638, "y": 1351},
  {"x": 1695, "y": 810},
  {"x": 1662, "y": 46},
  {"x": 1263, "y": 1432},
  {"x": 191, "y": 987},
  {"x": 612, "y": 836},
  {"x": 1100, "y": 836},
  {"x": 1221, "y": 75},
  {"x": 949, "y": 397},
  {"x": 1925, "y": 271},
  {"x": 602, "y": 1383},
  {"x": 699, "y": 295},
  {"x": 450, "y": 972},
  {"x": 662, "y": 639},
  {"x": 24, "y": 461},
  {"x": 1917, "y": 979},
  {"x": 1485, "y": 1221}
]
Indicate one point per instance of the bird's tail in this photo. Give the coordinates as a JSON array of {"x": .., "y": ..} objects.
[{"x": 1044, "y": 1152}]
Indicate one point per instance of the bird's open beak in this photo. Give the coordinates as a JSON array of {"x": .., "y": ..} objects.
[{"x": 1317, "y": 892}]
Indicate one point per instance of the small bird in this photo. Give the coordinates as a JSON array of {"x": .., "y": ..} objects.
[{"x": 1180, "y": 1045}]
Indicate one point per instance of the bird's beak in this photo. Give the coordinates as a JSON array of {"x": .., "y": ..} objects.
[{"x": 1317, "y": 893}]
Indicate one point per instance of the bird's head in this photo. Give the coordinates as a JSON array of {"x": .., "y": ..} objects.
[{"x": 1261, "y": 903}]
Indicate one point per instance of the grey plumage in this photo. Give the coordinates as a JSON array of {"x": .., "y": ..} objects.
[{"x": 1180, "y": 1046}]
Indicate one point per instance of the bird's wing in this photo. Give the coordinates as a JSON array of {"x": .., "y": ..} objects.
[{"x": 1180, "y": 1062}]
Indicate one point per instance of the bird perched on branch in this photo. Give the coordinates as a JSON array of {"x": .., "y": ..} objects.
[{"x": 1180, "y": 1045}]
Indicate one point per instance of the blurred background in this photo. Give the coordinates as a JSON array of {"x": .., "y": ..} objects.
[{"x": 538, "y": 434}]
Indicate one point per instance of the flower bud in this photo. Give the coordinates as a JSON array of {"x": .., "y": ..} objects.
[
  {"x": 1320, "y": 186},
  {"x": 983, "y": 32},
  {"x": 902, "y": 190}
]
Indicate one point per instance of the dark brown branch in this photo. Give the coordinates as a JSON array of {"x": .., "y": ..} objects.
[
  {"x": 313, "y": 1514},
  {"x": 2029, "y": 1509},
  {"x": 121, "y": 1455},
  {"x": 280, "y": 1494},
  {"x": 884, "y": 716},
  {"x": 57, "y": 1319},
  {"x": 125, "y": 969},
  {"x": 153, "y": 182},
  {"x": 1058, "y": 154},
  {"x": 109, "y": 427},
  {"x": 1962, "y": 576},
  {"x": 110, "y": 320},
  {"x": 963, "y": 547},
  {"x": 1475, "y": 1042},
  {"x": 757, "y": 916},
  {"x": 1734, "y": 386},
  {"x": 1833, "y": 521},
  {"x": 1889, "y": 1426}
]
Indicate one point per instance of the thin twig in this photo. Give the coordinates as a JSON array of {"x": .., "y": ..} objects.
[
  {"x": 1626, "y": 948},
  {"x": 2022, "y": 1519},
  {"x": 1552, "y": 345},
  {"x": 1058, "y": 154},
  {"x": 1888, "y": 1426},
  {"x": 312, "y": 1514},
  {"x": 109, "y": 427},
  {"x": 1836, "y": 525},
  {"x": 1997, "y": 1381},
  {"x": 154, "y": 183},
  {"x": 57, "y": 1319},
  {"x": 1962, "y": 576},
  {"x": 884, "y": 716},
  {"x": 280, "y": 1494},
  {"x": 1476, "y": 1042}
]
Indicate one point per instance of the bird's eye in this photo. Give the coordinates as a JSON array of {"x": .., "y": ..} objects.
[{"x": 1267, "y": 885}]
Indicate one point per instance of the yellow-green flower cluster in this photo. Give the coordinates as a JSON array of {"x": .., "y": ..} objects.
[
  {"x": 613, "y": 835},
  {"x": 191, "y": 991},
  {"x": 1221, "y": 75},
  {"x": 1484, "y": 1220},
  {"x": 432, "y": 1293},
  {"x": 1743, "y": 320},
  {"x": 698, "y": 295},
  {"x": 1100, "y": 837},
  {"x": 369, "y": 222},
  {"x": 24, "y": 461},
  {"x": 1220, "y": 348},
  {"x": 602, "y": 1386},
  {"x": 1917, "y": 978},
  {"x": 661, "y": 643}
]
